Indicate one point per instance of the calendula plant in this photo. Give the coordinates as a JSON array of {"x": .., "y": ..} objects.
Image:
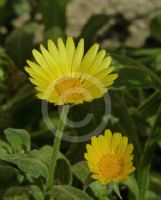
[
  {"x": 107, "y": 139},
  {"x": 64, "y": 75}
]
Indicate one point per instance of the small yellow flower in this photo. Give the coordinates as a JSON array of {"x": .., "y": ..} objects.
[
  {"x": 109, "y": 157},
  {"x": 63, "y": 74}
]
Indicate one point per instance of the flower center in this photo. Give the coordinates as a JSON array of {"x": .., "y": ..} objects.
[
  {"x": 69, "y": 89},
  {"x": 109, "y": 166}
]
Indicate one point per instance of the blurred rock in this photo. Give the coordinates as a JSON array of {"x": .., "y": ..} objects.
[{"x": 138, "y": 12}]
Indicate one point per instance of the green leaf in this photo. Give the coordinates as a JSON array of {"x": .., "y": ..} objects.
[
  {"x": 133, "y": 74},
  {"x": 63, "y": 168},
  {"x": 30, "y": 165},
  {"x": 37, "y": 193},
  {"x": 126, "y": 123},
  {"x": 133, "y": 186},
  {"x": 21, "y": 7},
  {"x": 156, "y": 63},
  {"x": 53, "y": 34},
  {"x": 28, "y": 162},
  {"x": 5, "y": 61},
  {"x": 99, "y": 191},
  {"x": 155, "y": 182},
  {"x": 148, "y": 56},
  {"x": 150, "y": 106},
  {"x": 147, "y": 52},
  {"x": 81, "y": 171},
  {"x": 94, "y": 23},
  {"x": 53, "y": 12},
  {"x": 7, "y": 148},
  {"x": 9, "y": 176},
  {"x": 157, "y": 124},
  {"x": 43, "y": 154},
  {"x": 2, "y": 10},
  {"x": 155, "y": 31},
  {"x": 116, "y": 190},
  {"x": 149, "y": 150},
  {"x": 17, "y": 193},
  {"x": 19, "y": 44},
  {"x": 24, "y": 99},
  {"x": 150, "y": 195},
  {"x": 2, "y": 77},
  {"x": 18, "y": 139},
  {"x": 63, "y": 172},
  {"x": 24, "y": 193},
  {"x": 6, "y": 65},
  {"x": 63, "y": 192}
]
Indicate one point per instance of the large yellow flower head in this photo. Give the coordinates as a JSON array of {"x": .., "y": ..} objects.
[
  {"x": 109, "y": 157},
  {"x": 63, "y": 74}
]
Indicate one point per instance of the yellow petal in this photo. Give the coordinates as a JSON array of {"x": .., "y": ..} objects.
[
  {"x": 115, "y": 142},
  {"x": 63, "y": 57},
  {"x": 51, "y": 62},
  {"x": 88, "y": 58},
  {"x": 100, "y": 75},
  {"x": 122, "y": 146},
  {"x": 70, "y": 48},
  {"x": 78, "y": 55},
  {"x": 95, "y": 65},
  {"x": 54, "y": 51}
]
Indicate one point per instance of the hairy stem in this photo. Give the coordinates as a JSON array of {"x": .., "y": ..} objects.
[{"x": 56, "y": 146}]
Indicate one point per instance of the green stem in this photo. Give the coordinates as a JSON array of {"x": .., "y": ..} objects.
[{"x": 56, "y": 146}]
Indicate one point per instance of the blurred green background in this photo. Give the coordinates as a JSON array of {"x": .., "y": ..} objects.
[{"x": 131, "y": 33}]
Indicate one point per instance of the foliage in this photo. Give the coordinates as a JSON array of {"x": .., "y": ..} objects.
[{"x": 135, "y": 110}]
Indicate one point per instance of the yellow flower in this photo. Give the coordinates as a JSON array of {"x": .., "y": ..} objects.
[
  {"x": 63, "y": 74},
  {"x": 109, "y": 157}
]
